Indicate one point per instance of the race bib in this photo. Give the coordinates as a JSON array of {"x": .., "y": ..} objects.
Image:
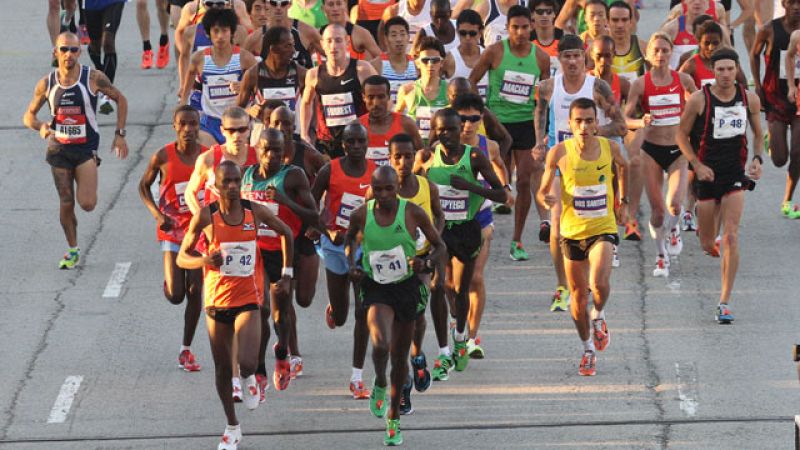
[
  {"x": 394, "y": 87},
  {"x": 665, "y": 109},
  {"x": 349, "y": 203},
  {"x": 338, "y": 109},
  {"x": 590, "y": 201},
  {"x": 421, "y": 240},
  {"x": 729, "y": 121},
  {"x": 388, "y": 266},
  {"x": 424, "y": 116},
  {"x": 555, "y": 66},
  {"x": 238, "y": 258},
  {"x": 563, "y": 136},
  {"x": 380, "y": 155},
  {"x": 517, "y": 87},
  {"x": 180, "y": 190},
  {"x": 285, "y": 94},
  {"x": 455, "y": 202},
  {"x": 219, "y": 89},
  {"x": 782, "y": 65},
  {"x": 70, "y": 125}
]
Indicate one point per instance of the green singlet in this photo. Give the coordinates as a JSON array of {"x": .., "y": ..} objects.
[
  {"x": 458, "y": 205},
  {"x": 512, "y": 86},
  {"x": 387, "y": 250}
]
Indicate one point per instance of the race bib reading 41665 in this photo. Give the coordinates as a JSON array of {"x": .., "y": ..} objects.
[
  {"x": 338, "y": 109},
  {"x": 388, "y": 266},
  {"x": 517, "y": 87},
  {"x": 70, "y": 125},
  {"x": 590, "y": 201},
  {"x": 455, "y": 202},
  {"x": 238, "y": 258}
]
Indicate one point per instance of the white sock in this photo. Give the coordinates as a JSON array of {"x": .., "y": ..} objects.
[
  {"x": 588, "y": 345},
  {"x": 444, "y": 350},
  {"x": 595, "y": 314},
  {"x": 671, "y": 222},
  {"x": 459, "y": 337},
  {"x": 356, "y": 376},
  {"x": 184, "y": 348},
  {"x": 470, "y": 341},
  {"x": 236, "y": 382},
  {"x": 233, "y": 427}
]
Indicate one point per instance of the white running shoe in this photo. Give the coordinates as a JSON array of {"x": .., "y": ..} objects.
[
  {"x": 237, "y": 390},
  {"x": 687, "y": 222},
  {"x": 674, "y": 242},
  {"x": 662, "y": 267},
  {"x": 615, "y": 258},
  {"x": 296, "y": 366},
  {"x": 230, "y": 438},
  {"x": 252, "y": 396}
]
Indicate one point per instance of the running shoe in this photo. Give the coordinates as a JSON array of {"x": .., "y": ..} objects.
[
  {"x": 600, "y": 334},
  {"x": 560, "y": 300},
  {"x": 329, "y": 317},
  {"x": 460, "y": 355},
  {"x": 252, "y": 397},
  {"x": 501, "y": 208},
  {"x": 474, "y": 348},
  {"x": 716, "y": 252},
  {"x": 544, "y": 231},
  {"x": 187, "y": 362},
  {"x": 615, "y": 257},
  {"x": 295, "y": 366},
  {"x": 263, "y": 384},
  {"x": 790, "y": 210},
  {"x": 162, "y": 58},
  {"x": 282, "y": 374},
  {"x": 662, "y": 267},
  {"x": 230, "y": 438},
  {"x": 517, "y": 252},
  {"x": 105, "y": 105},
  {"x": 687, "y": 222},
  {"x": 674, "y": 242},
  {"x": 632, "y": 232},
  {"x": 83, "y": 35},
  {"x": 405, "y": 399},
  {"x": 724, "y": 315},
  {"x": 422, "y": 377},
  {"x": 70, "y": 259},
  {"x": 358, "y": 390},
  {"x": 588, "y": 363},
  {"x": 442, "y": 367},
  {"x": 237, "y": 391},
  {"x": 147, "y": 59},
  {"x": 393, "y": 435},
  {"x": 377, "y": 401}
]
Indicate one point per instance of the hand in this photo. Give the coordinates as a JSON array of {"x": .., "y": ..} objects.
[
  {"x": 336, "y": 237},
  {"x": 539, "y": 151},
  {"x": 45, "y": 131},
  {"x": 459, "y": 183},
  {"x": 647, "y": 120},
  {"x": 355, "y": 273},
  {"x": 255, "y": 111},
  {"x": 164, "y": 223},
  {"x": 213, "y": 259},
  {"x": 754, "y": 170},
  {"x": 312, "y": 234},
  {"x": 703, "y": 172},
  {"x": 792, "y": 93},
  {"x": 234, "y": 87},
  {"x": 276, "y": 195},
  {"x": 622, "y": 214},
  {"x": 119, "y": 147},
  {"x": 509, "y": 199},
  {"x": 284, "y": 286},
  {"x": 417, "y": 264}
]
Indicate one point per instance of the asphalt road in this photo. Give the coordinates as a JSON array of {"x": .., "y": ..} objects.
[{"x": 671, "y": 377}]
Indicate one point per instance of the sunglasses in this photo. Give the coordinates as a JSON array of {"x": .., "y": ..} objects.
[
  {"x": 431, "y": 60},
  {"x": 276, "y": 3},
  {"x": 465, "y": 33},
  {"x": 215, "y": 4},
  {"x": 65, "y": 49},
  {"x": 240, "y": 130},
  {"x": 543, "y": 11},
  {"x": 470, "y": 118}
]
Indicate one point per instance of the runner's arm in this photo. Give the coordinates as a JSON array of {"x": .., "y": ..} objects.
[
  {"x": 253, "y": 42},
  {"x": 388, "y": 13},
  {"x": 748, "y": 9},
  {"x": 754, "y": 118},
  {"x": 568, "y": 13},
  {"x": 495, "y": 192},
  {"x": 304, "y": 206},
  {"x": 29, "y": 118},
  {"x": 485, "y": 63},
  {"x": 183, "y": 41},
  {"x": 196, "y": 182},
  {"x": 438, "y": 248},
  {"x": 543, "y": 61},
  {"x": 691, "y": 112},
  {"x": 364, "y": 71},
  {"x": 634, "y": 97},
  {"x": 191, "y": 73},
  {"x": 370, "y": 47},
  {"x": 550, "y": 166},
  {"x": 240, "y": 8},
  {"x": 621, "y": 172},
  {"x": 410, "y": 127},
  {"x": 436, "y": 208},
  {"x": 189, "y": 259},
  {"x": 540, "y": 114},
  {"x": 406, "y": 89},
  {"x": 307, "y": 104},
  {"x": 357, "y": 220},
  {"x": 246, "y": 89},
  {"x": 688, "y": 85},
  {"x": 103, "y": 84},
  {"x": 791, "y": 56},
  {"x": 497, "y": 132},
  {"x": 264, "y": 215},
  {"x": 604, "y": 97},
  {"x": 763, "y": 36},
  {"x": 152, "y": 171}
]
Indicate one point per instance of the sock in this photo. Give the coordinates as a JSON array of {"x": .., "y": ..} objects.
[
  {"x": 281, "y": 352},
  {"x": 235, "y": 381},
  {"x": 261, "y": 369},
  {"x": 595, "y": 314},
  {"x": 110, "y": 65},
  {"x": 184, "y": 348},
  {"x": 98, "y": 63},
  {"x": 460, "y": 336},
  {"x": 671, "y": 222},
  {"x": 232, "y": 428},
  {"x": 163, "y": 40},
  {"x": 444, "y": 350},
  {"x": 356, "y": 376},
  {"x": 146, "y": 45},
  {"x": 588, "y": 345}
]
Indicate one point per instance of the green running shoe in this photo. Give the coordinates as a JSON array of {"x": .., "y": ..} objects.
[
  {"x": 393, "y": 435},
  {"x": 70, "y": 259},
  {"x": 474, "y": 349},
  {"x": 377, "y": 401},
  {"x": 517, "y": 252},
  {"x": 766, "y": 143},
  {"x": 460, "y": 355},
  {"x": 442, "y": 366},
  {"x": 560, "y": 300},
  {"x": 790, "y": 211}
]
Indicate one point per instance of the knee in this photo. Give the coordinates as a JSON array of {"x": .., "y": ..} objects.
[
  {"x": 380, "y": 346},
  {"x": 657, "y": 216},
  {"x": 477, "y": 280},
  {"x": 108, "y": 43},
  {"x": 635, "y": 163},
  {"x": 675, "y": 206},
  {"x": 304, "y": 296},
  {"x": 174, "y": 296},
  {"x": 779, "y": 159},
  {"x": 88, "y": 205},
  {"x": 340, "y": 316},
  {"x": 730, "y": 239},
  {"x": 537, "y": 167},
  {"x": 601, "y": 286}
]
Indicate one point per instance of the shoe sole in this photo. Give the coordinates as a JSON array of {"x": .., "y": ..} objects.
[
  {"x": 476, "y": 355},
  {"x": 517, "y": 259},
  {"x": 632, "y": 237}
]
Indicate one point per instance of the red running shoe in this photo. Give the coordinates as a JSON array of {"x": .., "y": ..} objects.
[
  {"x": 329, "y": 317},
  {"x": 263, "y": 385},
  {"x": 162, "y": 58},
  {"x": 358, "y": 390},
  {"x": 588, "y": 363},
  {"x": 600, "y": 334},
  {"x": 147, "y": 59},
  {"x": 186, "y": 361},
  {"x": 282, "y": 375}
]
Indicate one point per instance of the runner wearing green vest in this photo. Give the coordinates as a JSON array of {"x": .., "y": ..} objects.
[
  {"x": 389, "y": 289},
  {"x": 428, "y": 94},
  {"x": 454, "y": 168},
  {"x": 312, "y": 15},
  {"x": 515, "y": 67}
]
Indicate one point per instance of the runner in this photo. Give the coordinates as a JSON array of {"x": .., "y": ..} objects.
[
  {"x": 368, "y": 13},
  {"x": 571, "y": 18},
  {"x": 470, "y": 28},
  {"x": 396, "y": 65},
  {"x": 553, "y": 114},
  {"x": 231, "y": 287},
  {"x": 73, "y": 136},
  {"x": 175, "y": 9},
  {"x": 762, "y": 14},
  {"x": 257, "y": 12},
  {"x": 305, "y": 39},
  {"x": 661, "y": 94},
  {"x": 596, "y": 13},
  {"x": 392, "y": 293},
  {"x": 718, "y": 152},
  {"x": 545, "y": 35},
  {"x": 496, "y": 19},
  {"x": 773, "y": 40},
  {"x": 333, "y": 91},
  {"x": 454, "y": 167},
  {"x": 59, "y": 20},
  {"x": 361, "y": 44},
  {"x": 680, "y": 30},
  {"x": 416, "y": 12},
  {"x": 423, "y": 97},
  {"x": 442, "y": 27},
  {"x": 143, "y": 20},
  {"x": 381, "y": 123},
  {"x": 515, "y": 67},
  {"x": 102, "y": 22},
  {"x": 588, "y": 222},
  {"x": 173, "y": 165},
  {"x": 344, "y": 181},
  {"x": 219, "y": 68}
]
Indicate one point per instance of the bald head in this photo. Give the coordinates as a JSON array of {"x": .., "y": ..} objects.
[
  {"x": 334, "y": 29},
  {"x": 354, "y": 129},
  {"x": 68, "y": 38},
  {"x": 384, "y": 175},
  {"x": 272, "y": 135},
  {"x": 281, "y": 113},
  {"x": 458, "y": 86}
]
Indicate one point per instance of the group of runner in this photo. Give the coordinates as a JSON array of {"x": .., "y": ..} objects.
[{"x": 380, "y": 140}]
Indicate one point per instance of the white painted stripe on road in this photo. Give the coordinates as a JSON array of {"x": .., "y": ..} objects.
[
  {"x": 687, "y": 388},
  {"x": 64, "y": 400},
  {"x": 118, "y": 276}
]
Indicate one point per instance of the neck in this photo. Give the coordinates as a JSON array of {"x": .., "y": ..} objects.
[
  {"x": 398, "y": 57},
  {"x": 578, "y": 78},
  {"x": 468, "y": 49},
  {"x": 185, "y": 148},
  {"x": 277, "y": 67},
  {"x": 724, "y": 91},
  {"x": 405, "y": 180},
  {"x": 228, "y": 206},
  {"x": 545, "y": 33},
  {"x": 380, "y": 119},
  {"x": 223, "y": 50},
  {"x": 583, "y": 144},
  {"x": 232, "y": 153},
  {"x": 521, "y": 46},
  {"x": 621, "y": 41},
  {"x": 470, "y": 140},
  {"x": 661, "y": 71},
  {"x": 273, "y": 21},
  {"x": 65, "y": 72},
  {"x": 429, "y": 81},
  {"x": 340, "y": 64},
  {"x": 790, "y": 21}
]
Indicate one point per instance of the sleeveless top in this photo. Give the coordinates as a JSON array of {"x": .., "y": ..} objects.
[
  {"x": 387, "y": 250},
  {"x": 73, "y": 108},
  {"x": 254, "y": 188},
  {"x": 339, "y": 101},
  {"x": 664, "y": 103},
  {"x": 171, "y": 201},
  {"x": 702, "y": 75},
  {"x": 722, "y": 132},
  {"x": 422, "y": 199},
  {"x": 683, "y": 42},
  {"x": 423, "y": 108},
  {"x": 558, "y": 128},
  {"x": 378, "y": 149},
  {"x": 458, "y": 205},
  {"x": 285, "y": 89},
  {"x": 512, "y": 86},
  {"x": 217, "y": 95},
  {"x": 551, "y": 49},
  {"x": 463, "y": 71},
  {"x": 344, "y": 195},
  {"x": 630, "y": 65},
  {"x": 315, "y": 17},
  {"x": 397, "y": 79},
  {"x": 415, "y": 23}
]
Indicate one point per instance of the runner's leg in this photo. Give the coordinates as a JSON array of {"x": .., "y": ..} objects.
[
  {"x": 86, "y": 185},
  {"x": 477, "y": 286},
  {"x": 221, "y": 337},
  {"x": 400, "y": 341},
  {"x": 64, "y": 179},
  {"x": 731, "y": 209},
  {"x": 794, "y": 161},
  {"x": 379, "y": 319}
]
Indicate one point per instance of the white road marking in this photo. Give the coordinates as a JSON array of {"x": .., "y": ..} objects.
[
  {"x": 64, "y": 400},
  {"x": 118, "y": 276},
  {"x": 687, "y": 388}
]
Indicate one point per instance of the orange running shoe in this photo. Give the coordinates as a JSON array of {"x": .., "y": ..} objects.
[
  {"x": 600, "y": 334},
  {"x": 282, "y": 375},
  {"x": 358, "y": 390},
  {"x": 329, "y": 317},
  {"x": 588, "y": 363},
  {"x": 186, "y": 361},
  {"x": 632, "y": 232},
  {"x": 162, "y": 58},
  {"x": 147, "y": 59}
]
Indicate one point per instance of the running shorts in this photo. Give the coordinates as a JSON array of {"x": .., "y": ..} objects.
[
  {"x": 663, "y": 155},
  {"x": 578, "y": 249},
  {"x": 407, "y": 298},
  {"x": 228, "y": 315},
  {"x": 69, "y": 158},
  {"x": 720, "y": 187},
  {"x": 523, "y": 135},
  {"x": 463, "y": 239},
  {"x": 212, "y": 126}
]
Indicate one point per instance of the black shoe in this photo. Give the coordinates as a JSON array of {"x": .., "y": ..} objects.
[
  {"x": 544, "y": 231},
  {"x": 422, "y": 377},
  {"x": 405, "y": 399}
]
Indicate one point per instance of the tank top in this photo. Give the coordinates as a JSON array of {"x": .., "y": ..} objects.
[
  {"x": 285, "y": 89},
  {"x": 378, "y": 149},
  {"x": 217, "y": 95},
  {"x": 462, "y": 70},
  {"x": 448, "y": 48},
  {"x": 512, "y": 86},
  {"x": 397, "y": 79},
  {"x": 702, "y": 75},
  {"x": 458, "y": 205},
  {"x": 775, "y": 70},
  {"x": 387, "y": 250},
  {"x": 423, "y": 109},
  {"x": 415, "y": 23},
  {"x": 73, "y": 108},
  {"x": 630, "y": 65},
  {"x": 422, "y": 199},
  {"x": 496, "y": 24},
  {"x": 558, "y": 129},
  {"x": 344, "y": 195},
  {"x": 171, "y": 201},
  {"x": 254, "y": 188},
  {"x": 587, "y": 193},
  {"x": 301, "y": 54},
  {"x": 313, "y": 16},
  {"x": 373, "y": 9},
  {"x": 722, "y": 132},
  {"x": 235, "y": 283},
  {"x": 210, "y": 194},
  {"x": 483, "y": 146},
  {"x": 684, "y": 42},
  {"x": 551, "y": 49},
  {"x": 339, "y": 101},
  {"x": 664, "y": 103}
]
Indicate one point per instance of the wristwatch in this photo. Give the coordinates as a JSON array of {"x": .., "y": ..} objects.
[{"x": 121, "y": 132}]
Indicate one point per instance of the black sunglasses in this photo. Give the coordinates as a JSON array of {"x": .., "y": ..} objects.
[
  {"x": 470, "y": 118},
  {"x": 65, "y": 49},
  {"x": 430, "y": 60},
  {"x": 215, "y": 4},
  {"x": 543, "y": 11},
  {"x": 279, "y": 3},
  {"x": 240, "y": 130},
  {"x": 470, "y": 33}
]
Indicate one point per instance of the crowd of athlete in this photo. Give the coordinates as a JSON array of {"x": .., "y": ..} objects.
[{"x": 378, "y": 139}]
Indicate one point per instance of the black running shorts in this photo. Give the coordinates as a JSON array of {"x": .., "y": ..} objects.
[
  {"x": 664, "y": 155},
  {"x": 578, "y": 249},
  {"x": 228, "y": 315},
  {"x": 406, "y": 297},
  {"x": 463, "y": 240}
]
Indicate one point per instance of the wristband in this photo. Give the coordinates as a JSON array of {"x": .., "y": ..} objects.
[
  {"x": 758, "y": 157},
  {"x": 287, "y": 272}
]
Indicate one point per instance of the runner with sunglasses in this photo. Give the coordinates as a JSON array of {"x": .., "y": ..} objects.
[
  {"x": 545, "y": 34},
  {"x": 423, "y": 97},
  {"x": 469, "y": 27}
]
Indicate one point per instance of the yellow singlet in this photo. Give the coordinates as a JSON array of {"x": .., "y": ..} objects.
[{"x": 422, "y": 199}]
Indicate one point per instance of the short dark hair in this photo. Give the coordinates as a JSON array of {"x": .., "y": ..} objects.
[
  {"x": 597, "y": 2},
  {"x": 468, "y": 101},
  {"x": 274, "y": 35},
  {"x": 622, "y": 4},
  {"x": 701, "y": 19},
  {"x": 185, "y": 108},
  {"x": 224, "y": 18},
  {"x": 445, "y": 113},
  {"x": 724, "y": 53},
  {"x": 378, "y": 80},
  {"x": 394, "y": 21},
  {"x": 469, "y": 17},
  {"x": 606, "y": 39},
  {"x": 554, "y": 3},
  {"x": 518, "y": 11},
  {"x": 400, "y": 138},
  {"x": 709, "y": 27},
  {"x": 431, "y": 43},
  {"x": 570, "y": 42},
  {"x": 249, "y": 4},
  {"x": 582, "y": 103}
]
